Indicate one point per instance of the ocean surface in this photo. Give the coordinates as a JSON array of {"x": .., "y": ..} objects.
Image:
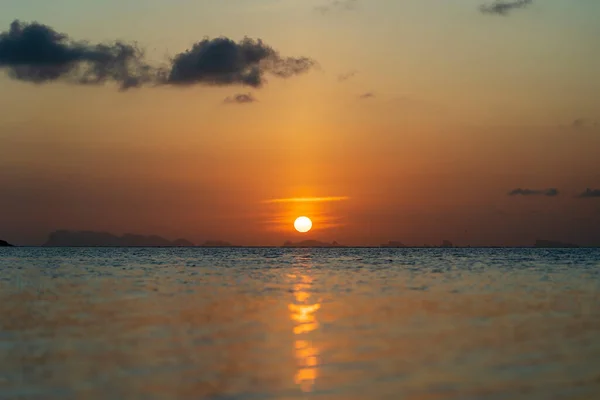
[{"x": 246, "y": 324}]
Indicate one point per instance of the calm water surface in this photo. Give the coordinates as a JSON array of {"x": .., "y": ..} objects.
[{"x": 299, "y": 323}]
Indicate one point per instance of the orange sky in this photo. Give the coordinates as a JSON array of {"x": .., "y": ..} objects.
[{"x": 422, "y": 116}]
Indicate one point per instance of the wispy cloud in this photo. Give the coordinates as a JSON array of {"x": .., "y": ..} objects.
[
  {"x": 337, "y": 6},
  {"x": 590, "y": 193},
  {"x": 347, "y": 76},
  {"x": 504, "y": 7},
  {"x": 240, "y": 98},
  {"x": 308, "y": 199},
  {"x": 552, "y": 192},
  {"x": 365, "y": 96},
  {"x": 582, "y": 123},
  {"x": 579, "y": 123}
]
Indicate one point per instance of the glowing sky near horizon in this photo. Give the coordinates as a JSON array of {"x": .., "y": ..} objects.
[{"x": 419, "y": 119}]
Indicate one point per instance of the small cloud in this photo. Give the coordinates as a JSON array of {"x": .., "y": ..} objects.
[
  {"x": 240, "y": 98},
  {"x": 590, "y": 193},
  {"x": 308, "y": 199},
  {"x": 337, "y": 6},
  {"x": 365, "y": 96},
  {"x": 347, "y": 76},
  {"x": 582, "y": 123},
  {"x": 552, "y": 192},
  {"x": 504, "y": 7},
  {"x": 579, "y": 123}
]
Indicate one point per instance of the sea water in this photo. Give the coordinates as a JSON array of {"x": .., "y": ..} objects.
[{"x": 196, "y": 323}]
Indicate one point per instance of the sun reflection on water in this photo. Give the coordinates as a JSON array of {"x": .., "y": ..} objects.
[{"x": 303, "y": 313}]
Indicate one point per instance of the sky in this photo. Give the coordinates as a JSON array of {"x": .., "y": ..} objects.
[{"x": 416, "y": 121}]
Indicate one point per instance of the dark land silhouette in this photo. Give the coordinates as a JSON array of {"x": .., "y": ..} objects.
[
  {"x": 4, "y": 243},
  {"x": 393, "y": 244},
  {"x": 216, "y": 243},
  {"x": 553, "y": 244},
  {"x": 311, "y": 243},
  {"x": 64, "y": 238}
]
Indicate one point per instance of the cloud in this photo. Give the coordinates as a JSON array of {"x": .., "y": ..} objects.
[
  {"x": 534, "y": 192},
  {"x": 504, "y": 7},
  {"x": 579, "y": 123},
  {"x": 582, "y": 123},
  {"x": 590, "y": 193},
  {"x": 347, "y": 76},
  {"x": 240, "y": 98},
  {"x": 33, "y": 52},
  {"x": 365, "y": 96},
  {"x": 36, "y": 53},
  {"x": 221, "y": 61},
  {"x": 337, "y": 6},
  {"x": 308, "y": 199}
]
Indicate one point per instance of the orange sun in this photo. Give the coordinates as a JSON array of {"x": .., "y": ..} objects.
[{"x": 303, "y": 224}]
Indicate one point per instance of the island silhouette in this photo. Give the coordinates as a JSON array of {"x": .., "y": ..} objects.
[
  {"x": 553, "y": 244},
  {"x": 393, "y": 244},
  {"x": 311, "y": 243},
  {"x": 4, "y": 243},
  {"x": 217, "y": 243},
  {"x": 65, "y": 238}
]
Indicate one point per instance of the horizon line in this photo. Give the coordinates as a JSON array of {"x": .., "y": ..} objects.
[{"x": 327, "y": 247}]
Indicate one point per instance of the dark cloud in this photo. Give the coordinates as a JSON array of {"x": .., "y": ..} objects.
[
  {"x": 578, "y": 123},
  {"x": 504, "y": 7},
  {"x": 552, "y": 192},
  {"x": 347, "y": 76},
  {"x": 337, "y": 5},
  {"x": 240, "y": 98},
  {"x": 582, "y": 123},
  {"x": 365, "y": 96},
  {"x": 36, "y": 53},
  {"x": 590, "y": 193},
  {"x": 222, "y": 61}
]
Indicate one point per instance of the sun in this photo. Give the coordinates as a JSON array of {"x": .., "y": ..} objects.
[{"x": 303, "y": 224}]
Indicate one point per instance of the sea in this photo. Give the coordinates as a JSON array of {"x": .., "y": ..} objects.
[{"x": 275, "y": 323}]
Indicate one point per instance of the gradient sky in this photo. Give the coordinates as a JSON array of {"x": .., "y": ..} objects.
[{"x": 420, "y": 117}]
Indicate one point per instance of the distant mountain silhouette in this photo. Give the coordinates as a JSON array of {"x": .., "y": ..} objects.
[
  {"x": 553, "y": 244},
  {"x": 216, "y": 243},
  {"x": 64, "y": 238},
  {"x": 4, "y": 243},
  {"x": 447, "y": 243},
  {"x": 311, "y": 243},
  {"x": 393, "y": 244}
]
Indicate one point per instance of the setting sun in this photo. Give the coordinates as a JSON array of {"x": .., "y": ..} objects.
[{"x": 303, "y": 224}]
